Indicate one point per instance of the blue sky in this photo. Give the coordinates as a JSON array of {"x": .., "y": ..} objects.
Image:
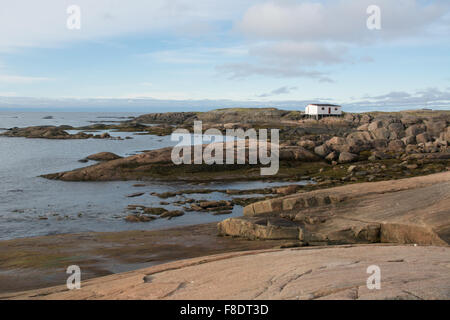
[{"x": 188, "y": 54}]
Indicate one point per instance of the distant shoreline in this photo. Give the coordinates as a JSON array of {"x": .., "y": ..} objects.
[{"x": 193, "y": 108}]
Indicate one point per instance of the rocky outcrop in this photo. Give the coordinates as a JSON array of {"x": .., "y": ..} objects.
[
  {"x": 158, "y": 163},
  {"x": 267, "y": 228},
  {"x": 49, "y": 132},
  {"x": 133, "y": 167},
  {"x": 242, "y": 115},
  {"x": 355, "y": 136},
  {"x": 103, "y": 156},
  {"x": 414, "y": 210},
  {"x": 138, "y": 218},
  {"x": 332, "y": 273},
  {"x": 172, "y": 214},
  {"x": 167, "y": 117},
  {"x": 396, "y": 134},
  {"x": 228, "y": 116}
]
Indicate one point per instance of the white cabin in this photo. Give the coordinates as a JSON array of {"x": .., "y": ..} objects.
[{"x": 322, "y": 110}]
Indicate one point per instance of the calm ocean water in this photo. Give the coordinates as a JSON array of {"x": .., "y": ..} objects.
[{"x": 25, "y": 198}]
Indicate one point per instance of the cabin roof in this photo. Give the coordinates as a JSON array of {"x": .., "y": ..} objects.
[{"x": 324, "y": 105}]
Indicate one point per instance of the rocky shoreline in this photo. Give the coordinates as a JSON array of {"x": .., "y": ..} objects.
[
  {"x": 376, "y": 178},
  {"x": 39, "y": 262},
  {"x": 413, "y": 210},
  {"x": 405, "y": 139},
  {"x": 330, "y": 152}
]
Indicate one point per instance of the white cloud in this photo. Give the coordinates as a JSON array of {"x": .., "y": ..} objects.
[
  {"x": 162, "y": 95},
  {"x": 8, "y": 94},
  {"x": 302, "y": 38},
  {"x": 14, "y": 79},
  {"x": 341, "y": 20},
  {"x": 429, "y": 97},
  {"x": 243, "y": 70},
  {"x": 194, "y": 55},
  {"x": 279, "y": 91},
  {"x": 285, "y": 38},
  {"x": 300, "y": 53},
  {"x": 42, "y": 23},
  {"x": 8, "y": 78}
]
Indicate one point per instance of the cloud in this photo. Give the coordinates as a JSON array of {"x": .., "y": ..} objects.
[
  {"x": 7, "y": 78},
  {"x": 176, "y": 57},
  {"x": 282, "y": 90},
  {"x": 25, "y": 23},
  {"x": 8, "y": 94},
  {"x": 303, "y": 38},
  {"x": 340, "y": 21},
  {"x": 244, "y": 70},
  {"x": 13, "y": 79},
  {"x": 194, "y": 55},
  {"x": 300, "y": 53},
  {"x": 429, "y": 97},
  {"x": 42, "y": 23},
  {"x": 288, "y": 59},
  {"x": 283, "y": 38}
]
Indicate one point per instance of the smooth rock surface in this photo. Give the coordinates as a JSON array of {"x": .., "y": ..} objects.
[
  {"x": 407, "y": 272},
  {"x": 414, "y": 210}
]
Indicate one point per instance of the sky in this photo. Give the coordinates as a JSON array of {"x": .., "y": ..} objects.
[{"x": 184, "y": 54}]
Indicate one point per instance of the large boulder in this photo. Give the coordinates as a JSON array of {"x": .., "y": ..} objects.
[
  {"x": 380, "y": 144},
  {"x": 346, "y": 157},
  {"x": 322, "y": 150},
  {"x": 307, "y": 144},
  {"x": 336, "y": 143},
  {"x": 409, "y": 140},
  {"x": 397, "y": 130},
  {"x": 365, "y": 118},
  {"x": 396, "y": 146},
  {"x": 414, "y": 130},
  {"x": 359, "y": 135},
  {"x": 445, "y": 135},
  {"x": 381, "y": 133},
  {"x": 358, "y": 141},
  {"x": 363, "y": 127},
  {"x": 423, "y": 137},
  {"x": 409, "y": 120},
  {"x": 434, "y": 127},
  {"x": 374, "y": 125}
]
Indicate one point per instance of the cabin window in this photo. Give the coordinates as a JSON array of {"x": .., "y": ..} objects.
[
  {"x": 335, "y": 109},
  {"x": 323, "y": 108}
]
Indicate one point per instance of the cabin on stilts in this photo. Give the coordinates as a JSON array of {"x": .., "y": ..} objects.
[{"x": 323, "y": 110}]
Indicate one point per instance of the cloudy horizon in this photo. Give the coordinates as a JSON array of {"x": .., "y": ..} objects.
[{"x": 183, "y": 55}]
